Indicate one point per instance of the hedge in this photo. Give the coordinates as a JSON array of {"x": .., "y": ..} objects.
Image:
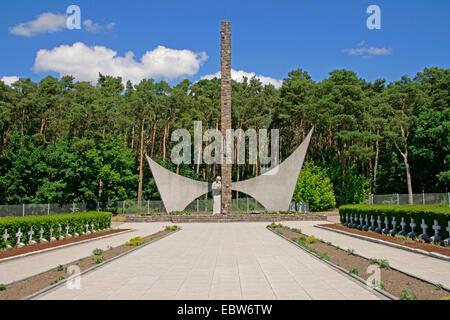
[
  {"x": 440, "y": 213},
  {"x": 76, "y": 221}
]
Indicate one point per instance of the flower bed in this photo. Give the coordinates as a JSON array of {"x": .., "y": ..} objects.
[
  {"x": 394, "y": 282},
  {"x": 28, "y": 286},
  {"x": 17, "y": 230}
]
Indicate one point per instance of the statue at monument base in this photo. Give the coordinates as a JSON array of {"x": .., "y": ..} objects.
[{"x": 217, "y": 195}]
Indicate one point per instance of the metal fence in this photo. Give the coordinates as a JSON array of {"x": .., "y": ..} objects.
[
  {"x": 133, "y": 207},
  {"x": 418, "y": 198},
  {"x": 22, "y": 210}
]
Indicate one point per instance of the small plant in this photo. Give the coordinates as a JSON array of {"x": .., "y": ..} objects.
[
  {"x": 311, "y": 239},
  {"x": 438, "y": 287},
  {"x": 279, "y": 232},
  {"x": 59, "y": 268},
  {"x": 350, "y": 251},
  {"x": 445, "y": 298},
  {"x": 135, "y": 241},
  {"x": 109, "y": 247},
  {"x": 406, "y": 295},
  {"x": 297, "y": 230},
  {"x": 97, "y": 252},
  {"x": 172, "y": 228},
  {"x": 324, "y": 256},
  {"x": 57, "y": 280},
  {"x": 354, "y": 271},
  {"x": 384, "y": 264},
  {"x": 329, "y": 243},
  {"x": 2, "y": 287},
  {"x": 98, "y": 260},
  {"x": 379, "y": 284}
]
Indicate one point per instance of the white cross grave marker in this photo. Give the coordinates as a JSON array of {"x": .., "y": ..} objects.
[
  {"x": 41, "y": 233},
  {"x": 436, "y": 227},
  {"x": 92, "y": 227},
  {"x": 412, "y": 234},
  {"x": 424, "y": 227},
  {"x": 87, "y": 228},
  {"x": 18, "y": 236},
  {"x": 403, "y": 225},
  {"x": 51, "y": 234},
  {"x": 394, "y": 224},
  {"x": 5, "y": 237},
  {"x": 372, "y": 223},
  {"x": 379, "y": 225},
  {"x": 30, "y": 236},
  {"x": 447, "y": 241},
  {"x": 67, "y": 232},
  {"x": 61, "y": 237}
]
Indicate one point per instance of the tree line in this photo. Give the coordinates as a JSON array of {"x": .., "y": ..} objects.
[{"x": 67, "y": 141}]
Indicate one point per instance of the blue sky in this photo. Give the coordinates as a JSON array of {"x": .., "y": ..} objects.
[{"x": 269, "y": 38}]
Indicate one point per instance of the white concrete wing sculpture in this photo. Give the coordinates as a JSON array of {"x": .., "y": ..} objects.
[{"x": 273, "y": 189}]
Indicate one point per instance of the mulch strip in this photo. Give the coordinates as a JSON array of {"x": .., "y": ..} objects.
[
  {"x": 394, "y": 281},
  {"x": 404, "y": 242},
  {"x": 26, "y": 287},
  {"x": 41, "y": 246}
]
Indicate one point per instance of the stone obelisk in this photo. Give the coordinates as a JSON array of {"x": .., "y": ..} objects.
[{"x": 225, "y": 88}]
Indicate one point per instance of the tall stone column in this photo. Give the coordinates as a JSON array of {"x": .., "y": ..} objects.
[{"x": 225, "y": 88}]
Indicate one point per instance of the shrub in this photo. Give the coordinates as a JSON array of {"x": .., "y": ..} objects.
[
  {"x": 135, "y": 241},
  {"x": 354, "y": 271},
  {"x": 311, "y": 239},
  {"x": 76, "y": 222},
  {"x": 406, "y": 295},
  {"x": 379, "y": 284},
  {"x": 445, "y": 298},
  {"x": 97, "y": 252},
  {"x": 416, "y": 212},
  {"x": 2, "y": 287},
  {"x": 314, "y": 187},
  {"x": 172, "y": 228},
  {"x": 384, "y": 264}
]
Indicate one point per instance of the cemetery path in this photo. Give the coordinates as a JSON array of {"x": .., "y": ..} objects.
[
  {"x": 216, "y": 261},
  {"x": 20, "y": 268},
  {"x": 429, "y": 268}
]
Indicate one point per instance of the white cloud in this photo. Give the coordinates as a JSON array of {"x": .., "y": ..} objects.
[
  {"x": 84, "y": 63},
  {"x": 363, "y": 42},
  {"x": 238, "y": 75},
  {"x": 46, "y": 23},
  {"x": 49, "y": 22},
  {"x": 9, "y": 80},
  {"x": 370, "y": 51},
  {"x": 111, "y": 25},
  {"x": 91, "y": 26}
]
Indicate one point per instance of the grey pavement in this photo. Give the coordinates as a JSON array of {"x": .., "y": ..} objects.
[
  {"x": 429, "y": 268},
  {"x": 216, "y": 261},
  {"x": 24, "y": 267}
]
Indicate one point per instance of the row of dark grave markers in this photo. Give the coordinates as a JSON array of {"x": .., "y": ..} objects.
[
  {"x": 363, "y": 224},
  {"x": 31, "y": 232}
]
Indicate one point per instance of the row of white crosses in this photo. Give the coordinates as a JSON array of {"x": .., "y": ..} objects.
[
  {"x": 363, "y": 224},
  {"x": 30, "y": 234}
]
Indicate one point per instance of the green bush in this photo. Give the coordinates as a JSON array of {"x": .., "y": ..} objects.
[
  {"x": 137, "y": 241},
  {"x": 314, "y": 187},
  {"x": 417, "y": 212},
  {"x": 76, "y": 222}
]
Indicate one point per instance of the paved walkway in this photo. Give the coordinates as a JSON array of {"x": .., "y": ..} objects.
[
  {"x": 216, "y": 261},
  {"x": 21, "y": 268},
  {"x": 431, "y": 269}
]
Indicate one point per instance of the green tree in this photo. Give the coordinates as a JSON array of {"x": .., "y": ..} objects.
[{"x": 314, "y": 187}]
